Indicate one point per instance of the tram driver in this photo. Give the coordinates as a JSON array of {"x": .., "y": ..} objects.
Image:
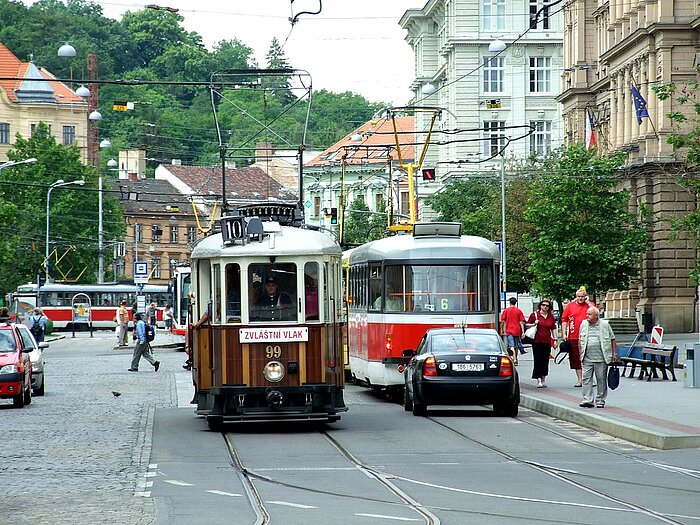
[{"x": 272, "y": 305}]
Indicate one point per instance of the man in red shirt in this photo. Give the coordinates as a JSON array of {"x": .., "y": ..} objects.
[
  {"x": 572, "y": 317},
  {"x": 513, "y": 326}
]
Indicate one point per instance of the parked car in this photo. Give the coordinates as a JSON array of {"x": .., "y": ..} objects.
[
  {"x": 461, "y": 366},
  {"x": 15, "y": 367},
  {"x": 36, "y": 356}
]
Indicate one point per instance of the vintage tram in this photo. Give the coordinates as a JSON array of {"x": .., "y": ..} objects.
[
  {"x": 402, "y": 285},
  {"x": 267, "y": 297}
]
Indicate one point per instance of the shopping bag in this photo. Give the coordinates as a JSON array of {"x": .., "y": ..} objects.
[{"x": 613, "y": 376}]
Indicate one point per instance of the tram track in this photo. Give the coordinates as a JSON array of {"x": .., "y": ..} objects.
[
  {"x": 559, "y": 474},
  {"x": 262, "y": 515}
]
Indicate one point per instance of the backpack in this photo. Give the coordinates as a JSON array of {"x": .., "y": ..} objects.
[
  {"x": 36, "y": 329},
  {"x": 150, "y": 333}
]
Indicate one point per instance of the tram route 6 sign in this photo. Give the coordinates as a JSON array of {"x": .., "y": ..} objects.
[{"x": 140, "y": 272}]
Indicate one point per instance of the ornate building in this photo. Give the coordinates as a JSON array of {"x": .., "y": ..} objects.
[{"x": 610, "y": 46}]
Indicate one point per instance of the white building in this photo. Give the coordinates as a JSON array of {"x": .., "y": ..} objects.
[{"x": 491, "y": 98}]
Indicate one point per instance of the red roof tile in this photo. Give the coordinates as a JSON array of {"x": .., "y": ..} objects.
[
  {"x": 377, "y": 142},
  {"x": 11, "y": 66}
]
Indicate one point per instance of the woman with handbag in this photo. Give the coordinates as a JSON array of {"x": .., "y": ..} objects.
[{"x": 545, "y": 338}]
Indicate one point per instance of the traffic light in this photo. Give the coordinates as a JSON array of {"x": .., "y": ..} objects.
[
  {"x": 334, "y": 215},
  {"x": 429, "y": 174}
]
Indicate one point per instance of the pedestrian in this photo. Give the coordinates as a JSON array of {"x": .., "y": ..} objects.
[
  {"x": 37, "y": 324},
  {"x": 122, "y": 322},
  {"x": 143, "y": 349},
  {"x": 545, "y": 339},
  {"x": 151, "y": 314},
  {"x": 572, "y": 317},
  {"x": 598, "y": 349},
  {"x": 513, "y": 326},
  {"x": 168, "y": 317}
]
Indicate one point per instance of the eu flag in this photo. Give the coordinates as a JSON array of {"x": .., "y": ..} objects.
[{"x": 640, "y": 105}]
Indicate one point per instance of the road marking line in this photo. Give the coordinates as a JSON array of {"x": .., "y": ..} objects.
[
  {"x": 383, "y": 517},
  {"x": 295, "y": 505},
  {"x": 179, "y": 483},
  {"x": 222, "y": 493},
  {"x": 146, "y": 494},
  {"x": 151, "y": 474},
  {"x": 153, "y": 465}
]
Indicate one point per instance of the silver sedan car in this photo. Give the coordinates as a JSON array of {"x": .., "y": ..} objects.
[{"x": 36, "y": 356}]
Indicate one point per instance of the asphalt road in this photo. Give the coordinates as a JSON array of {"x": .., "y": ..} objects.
[{"x": 82, "y": 455}]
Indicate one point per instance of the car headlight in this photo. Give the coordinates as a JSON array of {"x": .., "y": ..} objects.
[
  {"x": 274, "y": 371},
  {"x": 9, "y": 369}
]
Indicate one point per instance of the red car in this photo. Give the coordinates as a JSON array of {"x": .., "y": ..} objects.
[{"x": 15, "y": 367}]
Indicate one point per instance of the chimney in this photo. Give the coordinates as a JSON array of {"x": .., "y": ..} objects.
[
  {"x": 263, "y": 151},
  {"x": 176, "y": 162}
]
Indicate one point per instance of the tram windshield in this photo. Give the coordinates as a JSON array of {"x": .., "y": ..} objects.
[
  {"x": 434, "y": 288},
  {"x": 273, "y": 292}
]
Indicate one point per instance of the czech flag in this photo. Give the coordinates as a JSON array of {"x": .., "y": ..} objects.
[{"x": 590, "y": 131}]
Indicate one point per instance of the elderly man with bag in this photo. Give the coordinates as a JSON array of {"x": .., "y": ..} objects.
[{"x": 598, "y": 349}]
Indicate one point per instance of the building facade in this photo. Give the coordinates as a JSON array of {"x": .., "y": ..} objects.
[
  {"x": 610, "y": 47},
  {"x": 496, "y": 102},
  {"x": 36, "y": 98}
]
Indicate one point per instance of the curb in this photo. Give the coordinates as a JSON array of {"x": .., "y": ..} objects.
[{"x": 613, "y": 428}]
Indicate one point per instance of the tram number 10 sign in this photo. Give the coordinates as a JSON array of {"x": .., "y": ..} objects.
[{"x": 232, "y": 229}]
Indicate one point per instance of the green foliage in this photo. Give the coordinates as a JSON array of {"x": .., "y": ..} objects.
[
  {"x": 584, "y": 233},
  {"x": 476, "y": 203},
  {"x": 73, "y": 213},
  {"x": 362, "y": 225}
]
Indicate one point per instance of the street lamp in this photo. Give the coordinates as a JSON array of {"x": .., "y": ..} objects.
[
  {"x": 11, "y": 163},
  {"x": 57, "y": 184},
  {"x": 503, "y": 217}
]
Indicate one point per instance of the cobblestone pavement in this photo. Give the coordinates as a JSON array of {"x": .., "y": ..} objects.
[{"x": 80, "y": 454}]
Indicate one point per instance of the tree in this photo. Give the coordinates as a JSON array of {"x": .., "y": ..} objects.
[
  {"x": 476, "y": 203},
  {"x": 74, "y": 212},
  {"x": 276, "y": 59},
  {"x": 584, "y": 232},
  {"x": 362, "y": 225},
  {"x": 686, "y": 141}
]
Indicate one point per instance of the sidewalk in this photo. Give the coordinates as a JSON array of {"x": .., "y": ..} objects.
[{"x": 658, "y": 414}]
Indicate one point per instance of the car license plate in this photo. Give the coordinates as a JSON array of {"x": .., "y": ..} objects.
[{"x": 468, "y": 367}]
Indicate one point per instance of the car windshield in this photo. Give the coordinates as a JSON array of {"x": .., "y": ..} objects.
[
  {"x": 456, "y": 342},
  {"x": 7, "y": 341}
]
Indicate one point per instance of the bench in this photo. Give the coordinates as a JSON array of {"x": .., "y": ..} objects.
[{"x": 651, "y": 358}]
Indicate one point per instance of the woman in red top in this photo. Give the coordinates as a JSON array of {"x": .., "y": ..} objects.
[{"x": 545, "y": 338}]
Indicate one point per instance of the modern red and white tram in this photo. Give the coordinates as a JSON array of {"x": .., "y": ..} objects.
[
  {"x": 402, "y": 285},
  {"x": 56, "y": 300}
]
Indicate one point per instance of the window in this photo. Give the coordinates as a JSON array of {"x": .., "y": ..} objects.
[
  {"x": 311, "y": 295},
  {"x": 541, "y": 138},
  {"x": 156, "y": 233},
  {"x": 543, "y": 18},
  {"x": 494, "y": 137},
  {"x": 233, "y": 293},
  {"x": 405, "y": 205},
  {"x": 494, "y": 15},
  {"x": 494, "y": 72},
  {"x": 540, "y": 74},
  {"x": 375, "y": 287},
  {"x": 317, "y": 207},
  {"x": 68, "y": 135},
  {"x": 379, "y": 202},
  {"x": 273, "y": 292},
  {"x": 4, "y": 133},
  {"x": 173, "y": 233},
  {"x": 191, "y": 234},
  {"x": 155, "y": 265},
  {"x": 138, "y": 233},
  {"x": 119, "y": 266}
]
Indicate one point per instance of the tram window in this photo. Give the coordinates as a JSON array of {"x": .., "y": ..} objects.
[
  {"x": 486, "y": 288},
  {"x": 311, "y": 294},
  {"x": 450, "y": 288},
  {"x": 233, "y": 293},
  {"x": 393, "y": 293},
  {"x": 273, "y": 289},
  {"x": 375, "y": 287},
  {"x": 216, "y": 301}
]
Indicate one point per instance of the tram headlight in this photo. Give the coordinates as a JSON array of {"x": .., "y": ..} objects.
[{"x": 274, "y": 371}]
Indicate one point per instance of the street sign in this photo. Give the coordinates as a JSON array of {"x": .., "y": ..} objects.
[
  {"x": 657, "y": 334},
  {"x": 307, "y": 204},
  {"x": 141, "y": 272},
  {"x": 119, "y": 105}
]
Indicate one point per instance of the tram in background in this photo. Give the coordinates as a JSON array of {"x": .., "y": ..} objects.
[
  {"x": 181, "y": 286},
  {"x": 402, "y": 285},
  {"x": 271, "y": 349},
  {"x": 56, "y": 300}
]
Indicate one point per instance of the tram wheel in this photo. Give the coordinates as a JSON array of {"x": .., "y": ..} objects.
[{"x": 215, "y": 423}]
